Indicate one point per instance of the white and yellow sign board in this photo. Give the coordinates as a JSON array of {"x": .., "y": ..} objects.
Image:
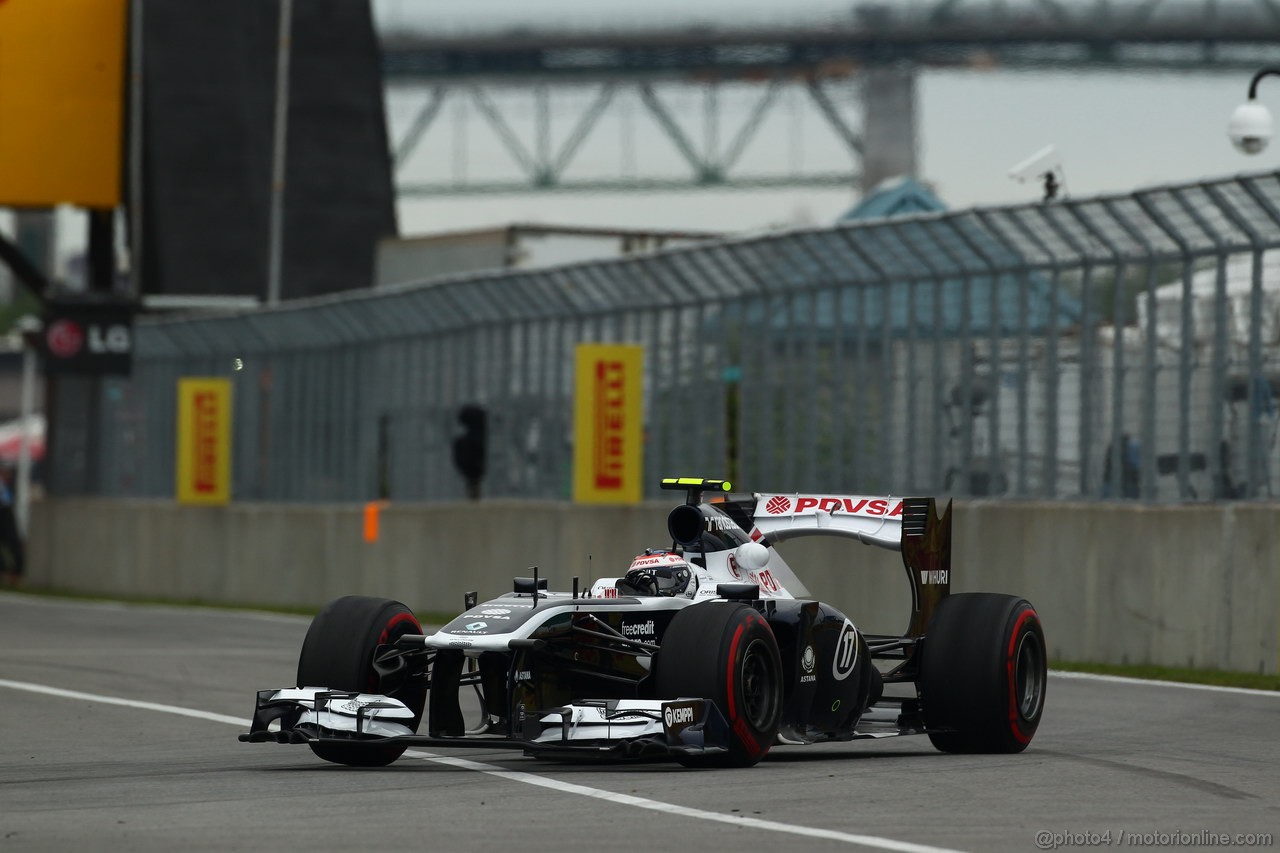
[
  {"x": 608, "y": 424},
  {"x": 61, "y": 101},
  {"x": 204, "y": 441}
]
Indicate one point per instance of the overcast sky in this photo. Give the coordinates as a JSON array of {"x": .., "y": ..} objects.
[{"x": 1114, "y": 132}]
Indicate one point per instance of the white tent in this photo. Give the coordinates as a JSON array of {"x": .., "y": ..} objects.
[
  {"x": 11, "y": 438},
  {"x": 1204, "y": 293}
]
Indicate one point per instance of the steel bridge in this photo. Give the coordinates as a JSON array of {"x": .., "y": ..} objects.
[{"x": 856, "y": 75}]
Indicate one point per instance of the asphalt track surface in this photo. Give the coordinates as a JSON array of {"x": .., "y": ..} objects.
[{"x": 119, "y": 729}]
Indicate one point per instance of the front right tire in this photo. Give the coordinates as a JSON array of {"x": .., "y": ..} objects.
[{"x": 725, "y": 652}]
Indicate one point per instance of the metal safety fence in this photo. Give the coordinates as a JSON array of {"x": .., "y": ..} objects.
[{"x": 1122, "y": 347}]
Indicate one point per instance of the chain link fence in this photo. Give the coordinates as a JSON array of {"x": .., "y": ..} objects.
[{"x": 1118, "y": 347}]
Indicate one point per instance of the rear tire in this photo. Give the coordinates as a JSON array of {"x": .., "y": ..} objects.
[
  {"x": 983, "y": 673},
  {"x": 338, "y": 653},
  {"x": 726, "y": 653}
]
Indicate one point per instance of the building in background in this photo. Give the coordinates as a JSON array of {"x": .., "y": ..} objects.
[
  {"x": 208, "y": 98},
  {"x": 412, "y": 259}
]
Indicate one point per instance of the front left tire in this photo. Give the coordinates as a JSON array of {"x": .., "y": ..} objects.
[{"x": 338, "y": 653}]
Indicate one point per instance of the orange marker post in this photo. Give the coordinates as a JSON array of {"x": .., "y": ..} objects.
[{"x": 372, "y": 511}]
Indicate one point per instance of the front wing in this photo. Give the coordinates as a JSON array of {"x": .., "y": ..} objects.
[{"x": 604, "y": 729}]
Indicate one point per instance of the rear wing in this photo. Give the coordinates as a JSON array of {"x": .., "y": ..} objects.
[
  {"x": 909, "y": 525},
  {"x": 872, "y": 520}
]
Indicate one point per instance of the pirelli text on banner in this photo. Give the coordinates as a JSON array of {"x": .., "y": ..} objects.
[
  {"x": 608, "y": 423},
  {"x": 204, "y": 441}
]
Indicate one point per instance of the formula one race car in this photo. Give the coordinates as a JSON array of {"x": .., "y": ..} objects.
[{"x": 708, "y": 652}]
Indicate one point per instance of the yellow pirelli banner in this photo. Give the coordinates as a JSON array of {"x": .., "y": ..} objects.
[
  {"x": 608, "y": 424},
  {"x": 62, "y": 79},
  {"x": 204, "y": 441}
]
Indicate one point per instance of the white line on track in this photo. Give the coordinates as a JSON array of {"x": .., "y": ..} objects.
[
  {"x": 1152, "y": 682},
  {"x": 670, "y": 809},
  {"x": 28, "y": 599},
  {"x": 124, "y": 703},
  {"x": 873, "y": 841}
]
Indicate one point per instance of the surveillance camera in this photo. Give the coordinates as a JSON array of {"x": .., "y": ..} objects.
[
  {"x": 1250, "y": 127},
  {"x": 1044, "y": 160}
]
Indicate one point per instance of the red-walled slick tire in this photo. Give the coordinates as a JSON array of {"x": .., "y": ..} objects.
[
  {"x": 725, "y": 652},
  {"x": 983, "y": 674},
  {"x": 338, "y": 653}
]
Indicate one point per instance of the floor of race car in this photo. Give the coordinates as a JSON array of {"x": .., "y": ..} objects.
[{"x": 121, "y": 722}]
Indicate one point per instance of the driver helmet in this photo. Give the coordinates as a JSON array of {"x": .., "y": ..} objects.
[{"x": 657, "y": 572}]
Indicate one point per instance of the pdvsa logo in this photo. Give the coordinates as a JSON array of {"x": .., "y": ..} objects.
[
  {"x": 850, "y": 506},
  {"x": 777, "y": 505},
  {"x": 733, "y": 568}
]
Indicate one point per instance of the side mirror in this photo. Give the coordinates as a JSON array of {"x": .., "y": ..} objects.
[{"x": 752, "y": 556}]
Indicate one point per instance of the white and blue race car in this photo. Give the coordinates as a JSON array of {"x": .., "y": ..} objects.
[{"x": 709, "y": 652}]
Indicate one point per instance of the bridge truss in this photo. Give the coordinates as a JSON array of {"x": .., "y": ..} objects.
[{"x": 539, "y": 96}]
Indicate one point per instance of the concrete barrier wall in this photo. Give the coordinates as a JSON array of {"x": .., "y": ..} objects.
[{"x": 1183, "y": 586}]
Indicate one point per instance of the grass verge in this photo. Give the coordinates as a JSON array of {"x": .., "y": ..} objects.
[{"x": 1217, "y": 677}]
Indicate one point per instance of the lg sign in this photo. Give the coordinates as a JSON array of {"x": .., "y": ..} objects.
[
  {"x": 66, "y": 338},
  {"x": 89, "y": 339}
]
